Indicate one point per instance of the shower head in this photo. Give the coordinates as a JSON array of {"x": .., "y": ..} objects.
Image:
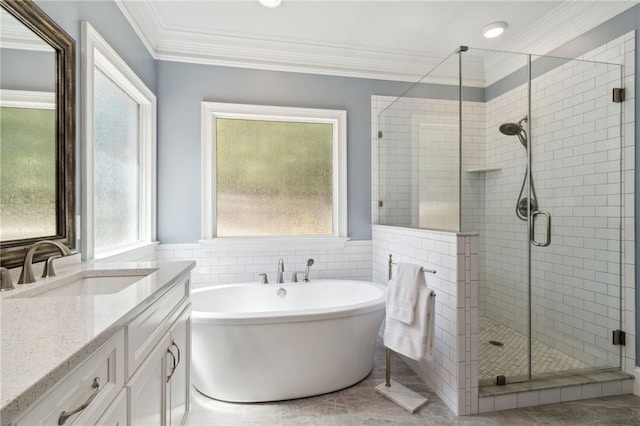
[
  {"x": 510, "y": 129},
  {"x": 515, "y": 129}
]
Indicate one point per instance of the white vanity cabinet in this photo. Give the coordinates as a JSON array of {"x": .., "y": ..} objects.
[
  {"x": 147, "y": 388},
  {"x": 159, "y": 389},
  {"x": 179, "y": 383},
  {"x": 140, "y": 376}
]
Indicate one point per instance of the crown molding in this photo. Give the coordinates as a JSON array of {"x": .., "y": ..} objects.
[
  {"x": 144, "y": 21},
  {"x": 277, "y": 54},
  {"x": 254, "y": 51},
  {"x": 367, "y": 64},
  {"x": 556, "y": 31},
  {"x": 325, "y": 60}
]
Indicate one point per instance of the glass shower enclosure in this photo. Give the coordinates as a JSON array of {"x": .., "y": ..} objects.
[{"x": 525, "y": 151}]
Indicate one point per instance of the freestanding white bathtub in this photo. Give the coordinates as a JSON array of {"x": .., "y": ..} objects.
[{"x": 253, "y": 343}]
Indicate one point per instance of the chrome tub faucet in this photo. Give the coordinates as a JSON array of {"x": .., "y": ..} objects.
[{"x": 280, "y": 276}]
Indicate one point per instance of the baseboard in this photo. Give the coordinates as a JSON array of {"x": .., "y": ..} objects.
[{"x": 636, "y": 382}]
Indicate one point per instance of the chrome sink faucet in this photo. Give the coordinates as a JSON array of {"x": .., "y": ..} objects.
[
  {"x": 27, "y": 276},
  {"x": 280, "y": 276}
]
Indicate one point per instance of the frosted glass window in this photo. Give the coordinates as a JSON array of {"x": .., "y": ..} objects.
[
  {"x": 27, "y": 173},
  {"x": 116, "y": 166},
  {"x": 274, "y": 178}
]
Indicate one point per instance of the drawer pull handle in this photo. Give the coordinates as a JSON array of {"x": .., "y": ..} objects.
[
  {"x": 64, "y": 415},
  {"x": 175, "y": 362},
  {"x": 173, "y": 367},
  {"x": 173, "y": 343}
]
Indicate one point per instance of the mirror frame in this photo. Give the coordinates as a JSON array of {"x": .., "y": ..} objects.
[{"x": 28, "y": 13}]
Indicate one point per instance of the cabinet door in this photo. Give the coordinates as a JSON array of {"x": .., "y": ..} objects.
[
  {"x": 147, "y": 388},
  {"x": 179, "y": 384},
  {"x": 116, "y": 414}
]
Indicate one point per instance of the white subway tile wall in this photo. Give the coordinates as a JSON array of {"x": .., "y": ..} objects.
[
  {"x": 214, "y": 268},
  {"x": 450, "y": 374},
  {"x": 576, "y": 166}
]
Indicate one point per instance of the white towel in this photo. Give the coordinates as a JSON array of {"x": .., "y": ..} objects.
[
  {"x": 402, "y": 293},
  {"x": 416, "y": 339}
]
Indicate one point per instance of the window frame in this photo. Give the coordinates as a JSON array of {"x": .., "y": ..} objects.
[
  {"x": 97, "y": 53},
  {"x": 211, "y": 111}
]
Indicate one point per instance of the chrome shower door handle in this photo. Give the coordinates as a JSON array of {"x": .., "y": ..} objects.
[{"x": 533, "y": 228}]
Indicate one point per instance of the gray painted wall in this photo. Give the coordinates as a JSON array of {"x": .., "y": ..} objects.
[
  {"x": 181, "y": 89},
  {"x": 108, "y": 20},
  {"x": 27, "y": 70}
]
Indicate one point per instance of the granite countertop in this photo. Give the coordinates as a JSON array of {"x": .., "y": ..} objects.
[{"x": 44, "y": 338}]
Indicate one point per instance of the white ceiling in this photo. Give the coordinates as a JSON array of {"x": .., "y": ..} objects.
[{"x": 398, "y": 40}]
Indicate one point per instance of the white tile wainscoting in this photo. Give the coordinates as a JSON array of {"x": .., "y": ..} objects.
[
  {"x": 226, "y": 267},
  {"x": 453, "y": 372}
]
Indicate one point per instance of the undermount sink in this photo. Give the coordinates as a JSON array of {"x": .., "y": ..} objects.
[{"x": 96, "y": 282}]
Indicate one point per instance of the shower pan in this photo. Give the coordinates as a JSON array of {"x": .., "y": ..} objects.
[{"x": 549, "y": 291}]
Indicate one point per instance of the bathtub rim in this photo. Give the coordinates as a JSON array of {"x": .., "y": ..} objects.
[{"x": 300, "y": 315}]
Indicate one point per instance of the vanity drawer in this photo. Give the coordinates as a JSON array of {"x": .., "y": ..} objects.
[
  {"x": 78, "y": 387},
  {"x": 144, "y": 332}
]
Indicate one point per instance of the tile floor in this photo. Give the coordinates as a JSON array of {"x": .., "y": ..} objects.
[
  {"x": 511, "y": 359},
  {"x": 361, "y": 405}
]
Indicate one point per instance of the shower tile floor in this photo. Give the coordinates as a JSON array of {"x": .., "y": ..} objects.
[
  {"x": 361, "y": 405},
  {"x": 511, "y": 358}
]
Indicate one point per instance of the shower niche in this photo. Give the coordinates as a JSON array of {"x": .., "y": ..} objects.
[{"x": 525, "y": 151}]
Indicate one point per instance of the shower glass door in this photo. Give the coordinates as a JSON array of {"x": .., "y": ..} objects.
[
  {"x": 546, "y": 202},
  {"x": 494, "y": 184},
  {"x": 575, "y": 240}
]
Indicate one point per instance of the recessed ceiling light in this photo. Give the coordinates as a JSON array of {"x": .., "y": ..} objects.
[
  {"x": 494, "y": 29},
  {"x": 270, "y": 3}
]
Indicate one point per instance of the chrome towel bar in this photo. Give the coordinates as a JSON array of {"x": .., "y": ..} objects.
[{"x": 391, "y": 263}]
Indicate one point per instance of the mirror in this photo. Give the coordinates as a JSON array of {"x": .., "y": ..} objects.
[{"x": 37, "y": 132}]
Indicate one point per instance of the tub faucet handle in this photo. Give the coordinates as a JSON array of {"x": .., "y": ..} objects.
[
  {"x": 264, "y": 279},
  {"x": 294, "y": 277},
  {"x": 6, "y": 283}
]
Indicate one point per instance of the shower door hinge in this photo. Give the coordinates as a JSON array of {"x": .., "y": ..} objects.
[
  {"x": 618, "y": 94},
  {"x": 619, "y": 337},
  {"x": 379, "y": 134}
]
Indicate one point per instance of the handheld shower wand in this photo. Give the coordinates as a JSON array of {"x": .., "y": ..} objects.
[
  {"x": 524, "y": 205},
  {"x": 310, "y": 263}
]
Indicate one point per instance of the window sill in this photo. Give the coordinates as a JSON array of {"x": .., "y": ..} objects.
[
  {"x": 273, "y": 243},
  {"x": 131, "y": 253}
]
